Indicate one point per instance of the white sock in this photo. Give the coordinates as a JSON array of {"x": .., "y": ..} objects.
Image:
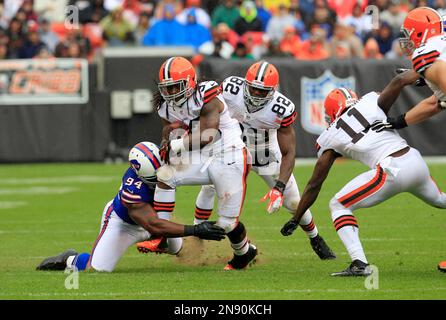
[
  {"x": 307, "y": 224},
  {"x": 347, "y": 228},
  {"x": 241, "y": 248}
]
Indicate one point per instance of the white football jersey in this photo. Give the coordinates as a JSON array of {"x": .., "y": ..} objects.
[
  {"x": 189, "y": 115},
  {"x": 351, "y": 137},
  {"x": 424, "y": 56},
  {"x": 260, "y": 127}
]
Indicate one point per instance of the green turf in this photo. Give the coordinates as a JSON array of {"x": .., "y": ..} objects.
[{"x": 61, "y": 205}]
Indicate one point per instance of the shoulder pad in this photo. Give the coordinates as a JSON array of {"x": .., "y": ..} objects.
[
  {"x": 208, "y": 90},
  {"x": 426, "y": 55}
]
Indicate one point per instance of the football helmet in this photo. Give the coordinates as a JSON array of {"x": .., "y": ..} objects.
[
  {"x": 145, "y": 160},
  {"x": 261, "y": 81},
  {"x": 177, "y": 81},
  {"x": 419, "y": 25},
  {"x": 337, "y": 101}
]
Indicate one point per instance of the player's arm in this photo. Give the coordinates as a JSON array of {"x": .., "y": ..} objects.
[
  {"x": 144, "y": 215},
  {"x": 209, "y": 123},
  {"x": 391, "y": 92},
  {"x": 286, "y": 137},
  {"x": 311, "y": 192},
  {"x": 287, "y": 144}
]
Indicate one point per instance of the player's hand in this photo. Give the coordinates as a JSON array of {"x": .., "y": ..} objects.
[
  {"x": 164, "y": 152},
  {"x": 410, "y": 76},
  {"x": 289, "y": 227},
  {"x": 275, "y": 200},
  {"x": 207, "y": 230}
]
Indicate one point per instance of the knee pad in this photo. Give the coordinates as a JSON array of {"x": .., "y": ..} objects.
[
  {"x": 228, "y": 223},
  {"x": 291, "y": 204}
]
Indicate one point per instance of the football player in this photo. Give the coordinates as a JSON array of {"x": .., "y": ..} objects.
[
  {"x": 130, "y": 217},
  {"x": 266, "y": 117},
  {"x": 209, "y": 151},
  {"x": 424, "y": 40},
  {"x": 395, "y": 166}
]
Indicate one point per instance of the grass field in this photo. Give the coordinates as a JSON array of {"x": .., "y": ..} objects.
[{"x": 45, "y": 209}]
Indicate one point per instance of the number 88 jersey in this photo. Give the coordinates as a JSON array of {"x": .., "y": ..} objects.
[{"x": 277, "y": 113}]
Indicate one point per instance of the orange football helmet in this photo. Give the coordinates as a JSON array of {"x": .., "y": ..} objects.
[
  {"x": 261, "y": 81},
  {"x": 419, "y": 25},
  {"x": 177, "y": 81},
  {"x": 337, "y": 101}
]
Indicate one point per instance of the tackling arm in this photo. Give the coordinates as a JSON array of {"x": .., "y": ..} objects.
[
  {"x": 311, "y": 192},
  {"x": 144, "y": 215},
  {"x": 391, "y": 92}
]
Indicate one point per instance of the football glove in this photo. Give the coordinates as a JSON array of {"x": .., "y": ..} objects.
[
  {"x": 206, "y": 230},
  {"x": 275, "y": 196},
  {"x": 289, "y": 227},
  {"x": 389, "y": 124}
]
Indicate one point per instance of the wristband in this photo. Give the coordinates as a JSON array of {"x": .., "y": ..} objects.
[
  {"x": 280, "y": 186},
  {"x": 400, "y": 121},
  {"x": 177, "y": 145},
  {"x": 189, "y": 231}
]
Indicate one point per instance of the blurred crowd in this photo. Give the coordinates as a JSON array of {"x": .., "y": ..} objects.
[{"x": 230, "y": 29}]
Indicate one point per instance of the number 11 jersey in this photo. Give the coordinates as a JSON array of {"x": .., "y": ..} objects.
[{"x": 351, "y": 137}]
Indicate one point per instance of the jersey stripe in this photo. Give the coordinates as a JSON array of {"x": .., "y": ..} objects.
[
  {"x": 424, "y": 56},
  {"x": 424, "y": 64},
  {"x": 289, "y": 120},
  {"x": 211, "y": 93}
]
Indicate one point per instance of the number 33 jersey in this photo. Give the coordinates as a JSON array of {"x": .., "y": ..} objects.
[
  {"x": 259, "y": 127},
  {"x": 351, "y": 137}
]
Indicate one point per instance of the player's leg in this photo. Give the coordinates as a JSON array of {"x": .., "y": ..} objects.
[
  {"x": 229, "y": 179},
  {"x": 291, "y": 198},
  {"x": 366, "y": 190},
  {"x": 419, "y": 182},
  {"x": 204, "y": 204}
]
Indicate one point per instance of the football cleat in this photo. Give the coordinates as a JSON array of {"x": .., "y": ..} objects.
[
  {"x": 321, "y": 248},
  {"x": 156, "y": 245},
  {"x": 356, "y": 269},
  {"x": 241, "y": 262},
  {"x": 58, "y": 262},
  {"x": 442, "y": 266}
]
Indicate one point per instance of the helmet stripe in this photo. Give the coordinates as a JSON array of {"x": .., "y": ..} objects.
[
  {"x": 346, "y": 93},
  {"x": 149, "y": 154},
  {"x": 262, "y": 70},
  {"x": 167, "y": 68}
]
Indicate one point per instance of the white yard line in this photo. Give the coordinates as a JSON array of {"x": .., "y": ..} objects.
[
  {"x": 59, "y": 180},
  {"x": 37, "y": 190},
  {"x": 12, "y": 204}
]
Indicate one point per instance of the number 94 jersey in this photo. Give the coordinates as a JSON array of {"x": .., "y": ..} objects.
[
  {"x": 350, "y": 134},
  {"x": 260, "y": 127}
]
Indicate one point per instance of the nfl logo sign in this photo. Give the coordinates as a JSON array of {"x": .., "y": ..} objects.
[{"x": 313, "y": 93}]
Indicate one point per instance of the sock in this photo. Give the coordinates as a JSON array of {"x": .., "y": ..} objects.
[
  {"x": 164, "y": 202},
  {"x": 201, "y": 215},
  {"x": 348, "y": 230},
  {"x": 307, "y": 224},
  {"x": 204, "y": 204},
  {"x": 239, "y": 240},
  {"x": 174, "y": 245},
  {"x": 79, "y": 261},
  {"x": 240, "y": 248}
]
